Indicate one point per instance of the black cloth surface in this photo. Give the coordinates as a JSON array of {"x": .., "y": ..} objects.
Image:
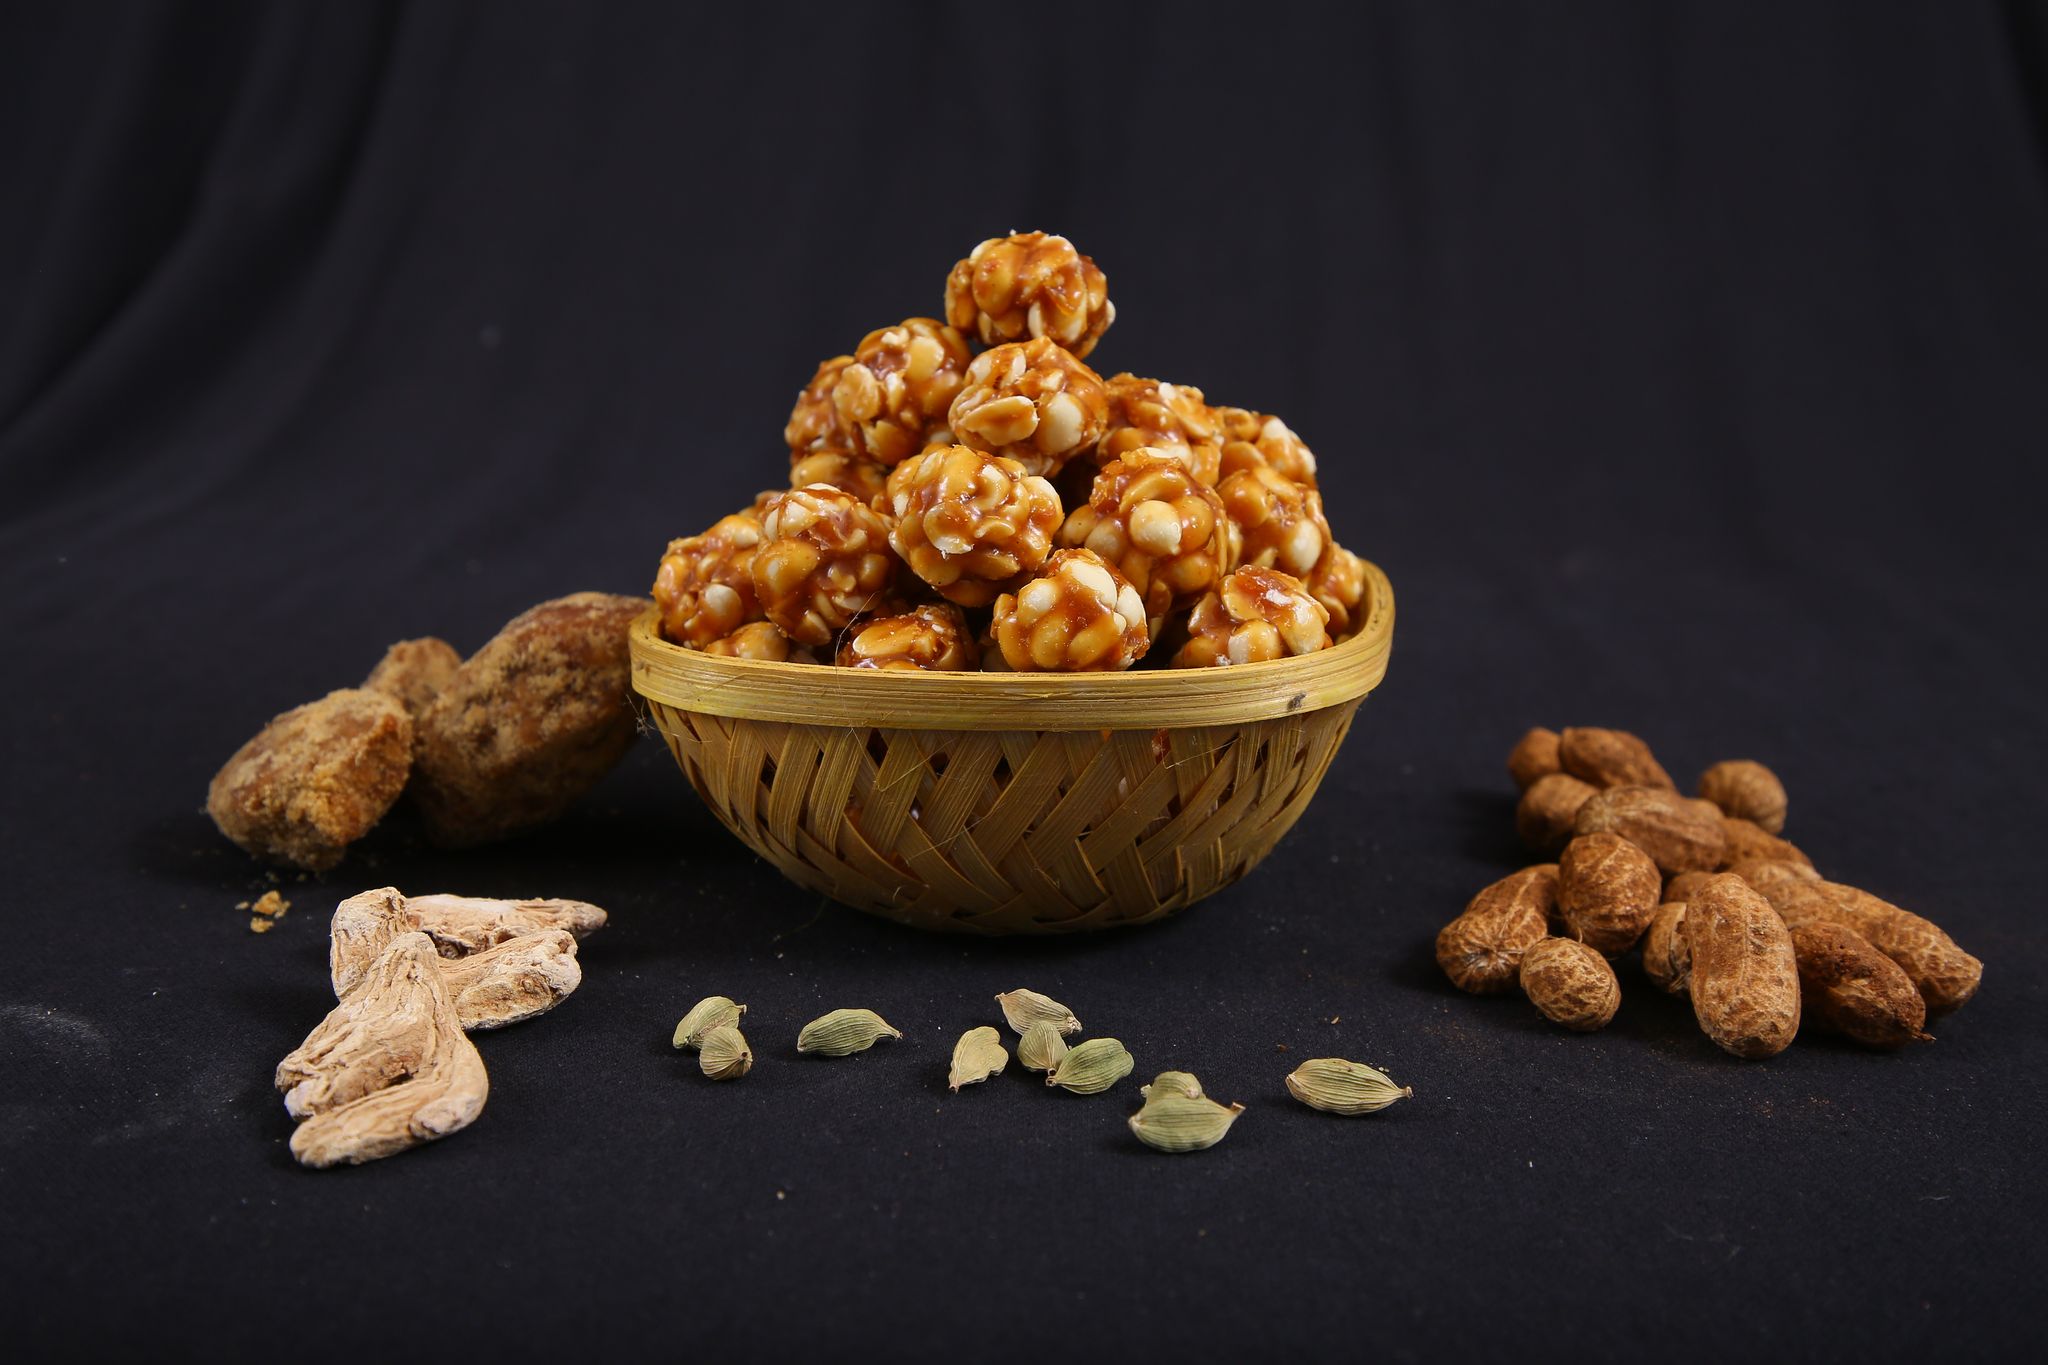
[{"x": 1682, "y": 364}]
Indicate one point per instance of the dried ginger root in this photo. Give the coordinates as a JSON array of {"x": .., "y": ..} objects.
[
  {"x": 503, "y": 961},
  {"x": 389, "y": 1068}
]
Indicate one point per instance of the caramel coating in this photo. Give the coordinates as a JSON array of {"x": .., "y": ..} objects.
[
  {"x": 1746, "y": 790},
  {"x": 413, "y": 672},
  {"x": 1570, "y": 984},
  {"x": 1282, "y": 520},
  {"x": 1607, "y": 891},
  {"x": 824, "y": 559},
  {"x": 705, "y": 585},
  {"x": 530, "y": 722},
  {"x": 315, "y": 779},
  {"x": 1481, "y": 950},
  {"x": 1150, "y": 516},
  {"x": 1152, "y": 414},
  {"x": 1030, "y": 284},
  {"x": 1033, "y": 402},
  {"x": 1338, "y": 582},
  {"x": 1079, "y": 614},
  {"x": 1257, "y": 440},
  {"x": 864, "y": 478},
  {"x": 814, "y": 422},
  {"x": 932, "y": 638},
  {"x": 759, "y": 640},
  {"x": 900, "y": 384},
  {"x": 969, "y": 523},
  {"x": 1254, "y": 615}
]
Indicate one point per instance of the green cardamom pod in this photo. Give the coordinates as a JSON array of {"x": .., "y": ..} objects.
[
  {"x": 713, "y": 1011},
  {"x": 723, "y": 1055},
  {"x": 1025, "y": 1008},
  {"x": 843, "y": 1032},
  {"x": 1041, "y": 1047},
  {"x": 1172, "y": 1083},
  {"x": 978, "y": 1055},
  {"x": 1092, "y": 1067},
  {"x": 1336, "y": 1086},
  {"x": 1173, "y": 1122}
]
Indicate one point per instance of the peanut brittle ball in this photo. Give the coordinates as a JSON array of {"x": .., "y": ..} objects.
[
  {"x": 705, "y": 585},
  {"x": 824, "y": 559},
  {"x": 1149, "y": 413},
  {"x": 814, "y": 422},
  {"x": 1030, "y": 284},
  {"x": 1033, "y": 402},
  {"x": 1338, "y": 582},
  {"x": 933, "y": 637},
  {"x": 968, "y": 523},
  {"x": 864, "y": 478},
  {"x": 1151, "y": 517},
  {"x": 1254, "y": 615},
  {"x": 759, "y": 640},
  {"x": 1282, "y": 520},
  {"x": 1077, "y": 615},
  {"x": 900, "y": 384},
  {"x": 1256, "y": 440}
]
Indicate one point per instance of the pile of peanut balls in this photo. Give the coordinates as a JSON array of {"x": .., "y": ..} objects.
[{"x": 969, "y": 494}]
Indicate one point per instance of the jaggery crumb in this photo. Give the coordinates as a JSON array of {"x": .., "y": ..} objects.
[{"x": 271, "y": 904}]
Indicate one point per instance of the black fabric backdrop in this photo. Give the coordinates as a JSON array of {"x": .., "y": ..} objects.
[{"x": 1683, "y": 364}]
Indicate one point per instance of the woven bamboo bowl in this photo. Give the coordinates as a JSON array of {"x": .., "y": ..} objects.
[{"x": 1011, "y": 803}]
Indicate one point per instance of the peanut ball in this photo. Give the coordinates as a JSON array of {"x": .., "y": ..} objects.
[
  {"x": 1282, "y": 521},
  {"x": 1253, "y": 616},
  {"x": 1033, "y": 402},
  {"x": 1030, "y": 284},
  {"x": 705, "y": 584},
  {"x": 824, "y": 559},
  {"x": 1078, "y": 614},
  {"x": 969, "y": 523},
  {"x": 931, "y": 638},
  {"x": 1150, "y": 515}
]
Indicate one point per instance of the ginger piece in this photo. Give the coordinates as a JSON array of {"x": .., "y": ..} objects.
[
  {"x": 529, "y": 723},
  {"x": 316, "y": 779},
  {"x": 413, "y": 672},
  {"x": 504, "y": 961},
  {"x": 460, "y": 925},
  {"x": 387, "y": 1069},
  {"x": 514, "y": 980}
]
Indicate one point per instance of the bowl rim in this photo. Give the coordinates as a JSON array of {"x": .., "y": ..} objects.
[{"x": 1145, "y": 699}]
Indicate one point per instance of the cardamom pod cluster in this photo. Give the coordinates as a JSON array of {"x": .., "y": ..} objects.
[
  {"x": 1336, "y": 1086},
  {"x": 978, "y": 1055},
  {"x": 844, "y": 1032}
]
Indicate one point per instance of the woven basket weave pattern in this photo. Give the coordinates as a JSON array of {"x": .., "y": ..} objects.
[
  {"x": 1008, "y": 831},
  {"x": 1011, "y": 803}
]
